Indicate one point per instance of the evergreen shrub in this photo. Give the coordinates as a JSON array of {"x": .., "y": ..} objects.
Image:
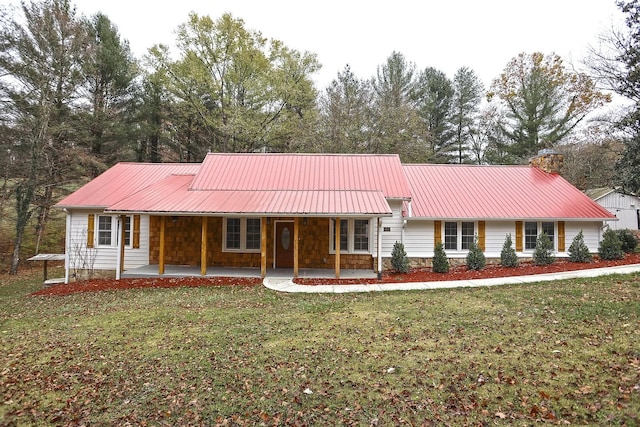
[
  {"x": 399, "y": 260},
  {"x": 508, "y": 257},
  {"x": 440, "y": 260},
  {"x": 579, "y": 251},
  {"x": 543, "y": 255}
]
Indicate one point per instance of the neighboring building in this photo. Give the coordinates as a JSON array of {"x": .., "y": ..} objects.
[
  {"x": 271, "y": 211},
  {"x": 625, "y": 206}
]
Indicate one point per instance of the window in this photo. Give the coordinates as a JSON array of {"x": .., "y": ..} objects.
[
  {"x": 105, "y": 230},
  {"x": 344, "y": 236},
  {"x": 108, "y": 230},
  {"x": 531, "y": 233},
  {"x": 451, "y": 236},
  {"x": 361, "y": 235},
  {"x": 253, "y": 233},
  {"x": 548, "y": 229},
  {"x": 468, "y": 234},
  {"x": 242, "y": 234},
  {"x": 354, "y": 235},
  {"x": 458, "y": 235},
  {"x": 127, "y": 231}
]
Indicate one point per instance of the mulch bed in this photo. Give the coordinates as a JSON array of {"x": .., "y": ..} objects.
[
  {"x": 415, "y": 275},
  {"x": 490, "y": 271},
  {"x": 94, "y": 285}
]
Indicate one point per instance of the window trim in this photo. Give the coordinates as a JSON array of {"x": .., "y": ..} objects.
[
  {"x": 539, "y": 229},
  {"x": 114, "y": 235},
  {"x": 459, "y": 239},
  {"x": 350, "y": 236},
  {"x": 243, "y": 235}
]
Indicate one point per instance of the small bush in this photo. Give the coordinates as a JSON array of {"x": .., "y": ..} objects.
[
  {"x": 610, "y": 247},
  {"x": 543, "y": 254},
  {"x": 440, "y": 261},
  {"x": 399, "y": 260},
  {"x": 579, "y": 251},
  {"x": 508, "y": 257},
  {"x": 475, "y": 258},
  {"x": 628, "y": 239}
]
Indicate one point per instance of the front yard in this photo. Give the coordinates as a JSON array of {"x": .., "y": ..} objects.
[{"x": 563, "y": 352}]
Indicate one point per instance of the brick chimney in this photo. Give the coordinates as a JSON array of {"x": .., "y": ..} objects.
[{"x": 548, "y": 160}]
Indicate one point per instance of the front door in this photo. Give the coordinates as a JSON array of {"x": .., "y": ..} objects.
[{"x": 284, "y": 244}]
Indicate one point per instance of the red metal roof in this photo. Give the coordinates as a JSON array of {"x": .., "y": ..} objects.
[
  {"x": 122, "y": 180},
  {"x": 172, "y": 195},
  {"x": 304, "y": 172},
  {"x": 496, "y": 192}
]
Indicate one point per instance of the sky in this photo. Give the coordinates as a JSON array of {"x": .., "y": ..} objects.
[{"x": 480, "y": 34}]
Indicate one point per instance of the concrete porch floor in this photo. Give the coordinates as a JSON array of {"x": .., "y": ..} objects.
[{"x": 188, "y": 271}]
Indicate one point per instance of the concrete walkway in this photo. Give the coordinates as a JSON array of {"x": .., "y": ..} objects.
[{"x": 287, "y": 285}]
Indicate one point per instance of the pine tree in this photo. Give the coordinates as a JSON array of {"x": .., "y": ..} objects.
[
  {"x": 440, "y": 261},
  {"x": 475, "y": 258},
  {"x": 579, "y": 251},
  {"x": 543, "y": 254},
  {"x": 399, "y": 259},
  {"x": 610, "y": 247},
  {"x": 508, "y": 257}
]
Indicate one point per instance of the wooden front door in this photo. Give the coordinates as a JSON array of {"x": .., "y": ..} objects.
[{"x": 284, "y": 244}]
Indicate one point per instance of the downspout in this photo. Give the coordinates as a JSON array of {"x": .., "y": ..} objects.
[
  {"x": 120, "y": 247},
  {"x": 379, "y": 249},
  {"x": 67, "y": 244}
]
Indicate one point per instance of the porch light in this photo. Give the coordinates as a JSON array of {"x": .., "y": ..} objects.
[
  {"x": 174, "y": 219},
  {"x": 304, "y": 221}
]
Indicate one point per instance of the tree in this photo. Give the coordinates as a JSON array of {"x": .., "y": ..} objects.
[
  {"x": 399, "y": 260},
  {"x": 433, "y": 96},
  {"x": 610, "y": 247},
  {"x": 42, "y": 50},
  {"x": 508, "y": 256},
  {"x": 396, "y": 126},
  {"x": 543, "y": 254},
  {"x": 467, "y": 95},
  {"x": 440, "y": 262},
  {"x": 475, "y": 258},
  {"x": 616, "y": 64},
  {"x": 345, "y": 115},
  {"x": 542, "y": 102},
  {"x": 237, "y": 91},
  {"x": 110, "y": 70},
  {"x": 579, "y": 251}
]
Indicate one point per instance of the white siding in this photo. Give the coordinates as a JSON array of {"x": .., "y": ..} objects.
[
  {"x": 394, "y": 224},
  {"x": 624, "y": 207},
  {"x": 419, "y": 235},
  {"x": 418, "y": 238},
  {"x": 592, "y": 232},
  {"x": 100, "y": 257}
]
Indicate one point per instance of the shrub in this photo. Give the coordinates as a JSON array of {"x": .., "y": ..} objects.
[
  {"x": 628, "y": 239},
  {"x": 475, "y": 258},
  {"x": 399, "y": 260},
  {"x": 440, "y": 261},
  {"x": 508, "y": 257},
  {"x": 610, "y": 247},
  {"x": 543, "y": 255},
  {"x": 579, "y": 251}
]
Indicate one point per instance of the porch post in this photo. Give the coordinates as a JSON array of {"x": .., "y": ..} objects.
[
  {"x": 161, "y": 257},
  {"x": 123, "y": 222},
  {"x": 263, "y": 247},
  {"x": 203, "y": 247},
  {"x": 337, "y": 248},
  {"x": 296, "y": 245}
]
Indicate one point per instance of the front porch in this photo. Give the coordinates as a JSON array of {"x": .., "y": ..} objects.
[{"x": 195, "y": 271}]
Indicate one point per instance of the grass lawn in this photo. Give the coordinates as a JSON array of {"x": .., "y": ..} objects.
[{"x": 563, "y": 352}]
